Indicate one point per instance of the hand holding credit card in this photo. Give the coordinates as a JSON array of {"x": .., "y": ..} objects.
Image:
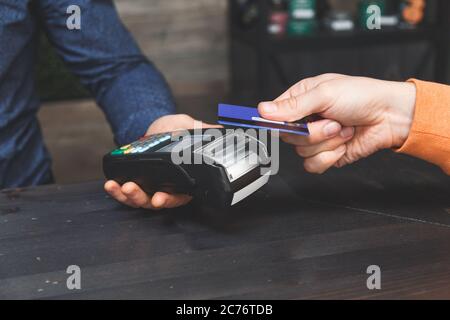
[{"x": 249, "y": 117}]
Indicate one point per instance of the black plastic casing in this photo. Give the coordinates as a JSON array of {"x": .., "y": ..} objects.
[{"x": 155, "y": 171}]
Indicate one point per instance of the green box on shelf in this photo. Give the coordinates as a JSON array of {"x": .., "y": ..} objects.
[
  {"x": 364, "y": 5},
  {"x": 301, "y": 27},
  {"x": 302, "y": 9}
]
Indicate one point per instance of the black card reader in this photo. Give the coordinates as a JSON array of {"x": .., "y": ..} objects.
[{"x": 219, "y": 167}]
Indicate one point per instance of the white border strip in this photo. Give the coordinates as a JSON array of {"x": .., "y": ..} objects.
[{"x": 251, "y": 188}]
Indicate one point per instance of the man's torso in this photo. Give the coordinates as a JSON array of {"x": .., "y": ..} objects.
[{"x": 23, "y": 157}]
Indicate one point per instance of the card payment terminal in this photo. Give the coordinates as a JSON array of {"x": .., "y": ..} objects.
[{"x": 219, "y": 170}]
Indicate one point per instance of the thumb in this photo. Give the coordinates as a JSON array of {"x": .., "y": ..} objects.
[
  {"x": 197, "y": 124},
  {"x": 297, "y": 107},
  {"x": 211, "y": 126}
]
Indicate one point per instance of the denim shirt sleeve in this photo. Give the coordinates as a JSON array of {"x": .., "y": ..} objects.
[{"x": 108, "y": 62}]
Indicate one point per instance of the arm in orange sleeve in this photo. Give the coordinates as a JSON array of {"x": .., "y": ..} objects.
[{"x": 429, "y": 137}]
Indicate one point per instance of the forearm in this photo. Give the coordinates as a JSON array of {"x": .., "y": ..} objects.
[
  {"x": 133, "y": 100},
  {"x": 429, "y": 135},
  {"x": 105, "y": 57}
]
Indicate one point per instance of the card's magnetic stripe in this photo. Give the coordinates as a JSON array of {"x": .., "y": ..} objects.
[
  {"x": 301, "y": 128},
  {"x": 230, "y": 123}
]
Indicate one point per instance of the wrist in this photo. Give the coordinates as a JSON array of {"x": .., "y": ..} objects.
[{"x": 401, "y": 101}]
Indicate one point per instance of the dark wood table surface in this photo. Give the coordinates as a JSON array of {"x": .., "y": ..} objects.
[{"x": 301, "y": 237}]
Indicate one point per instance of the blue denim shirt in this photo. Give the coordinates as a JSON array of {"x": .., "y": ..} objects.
[{"x": 129, "y": 89}]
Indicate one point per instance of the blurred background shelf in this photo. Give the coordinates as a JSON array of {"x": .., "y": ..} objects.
[
  {"x": 323, "y": 40},
  {"x": 262, "y": 64}
]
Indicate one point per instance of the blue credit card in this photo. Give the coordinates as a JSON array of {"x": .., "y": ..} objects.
[{"x": 248, "y": 117}]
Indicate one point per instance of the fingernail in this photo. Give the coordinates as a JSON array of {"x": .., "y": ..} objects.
[
  {"x": 347, "y": 132},
  {"x": 268, "y": 107},
  {"x": 332, "y": 129}
]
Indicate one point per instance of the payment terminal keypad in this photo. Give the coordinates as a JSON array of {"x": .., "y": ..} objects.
[{"x": 143, "y": 144}]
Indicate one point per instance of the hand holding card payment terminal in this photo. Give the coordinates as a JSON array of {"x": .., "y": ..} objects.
[{"x": 219, "y": 169}]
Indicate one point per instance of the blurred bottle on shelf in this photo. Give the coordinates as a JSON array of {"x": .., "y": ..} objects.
[
  {"x": 365, "y": 14},
  {"x": 302, "y": 9},
  {"x": 340, "y": 15},
  {"x": 278, "y": 17},
  {"x": 389, "y": 13},
  {"x": 247, "y": 13},
  {"x": 412, "y": 12},
  {"x": 302, "y": 17},
  {"x": 390, "y": 16}
]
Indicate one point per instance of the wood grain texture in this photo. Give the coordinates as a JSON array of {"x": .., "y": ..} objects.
[
  {"x": 187, "y": 40},
  {"x": 302, "y": 237}
]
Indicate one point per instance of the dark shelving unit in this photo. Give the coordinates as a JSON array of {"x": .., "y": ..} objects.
[{"x": 267, "y": 48}]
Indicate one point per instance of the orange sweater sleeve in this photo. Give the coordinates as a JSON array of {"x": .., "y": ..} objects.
[{"x": 429, "y": 138}]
